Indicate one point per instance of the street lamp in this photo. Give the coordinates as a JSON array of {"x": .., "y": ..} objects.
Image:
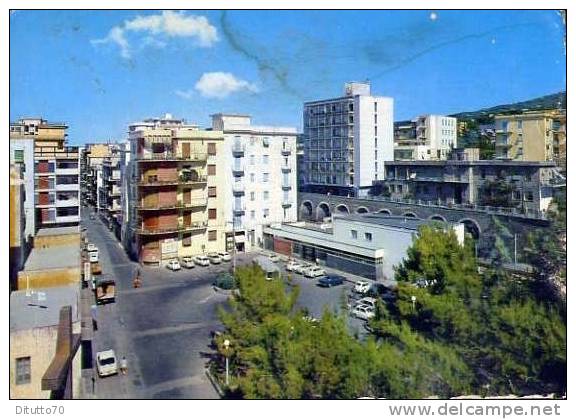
[
  {"x": 226, "y": 346},
  {"x": 413, "y": 298}
]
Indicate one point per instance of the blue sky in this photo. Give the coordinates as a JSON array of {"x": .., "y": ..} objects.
[{"x": 101, "y": 70}]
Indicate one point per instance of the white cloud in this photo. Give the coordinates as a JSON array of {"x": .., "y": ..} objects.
[
  {"x": 220, "y": 85},
  {"x": 167, "y": 24},
  {"x": 185, "y": 94}
]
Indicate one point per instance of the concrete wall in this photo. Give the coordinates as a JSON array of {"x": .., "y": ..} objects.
[
  {"x": 48, "y": 278},
  {"x": 40, "y": 345},
  {"x": 55, "y": 240}
]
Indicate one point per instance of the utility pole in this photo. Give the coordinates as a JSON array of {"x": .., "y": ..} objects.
[{"x": 515, "y": 249}]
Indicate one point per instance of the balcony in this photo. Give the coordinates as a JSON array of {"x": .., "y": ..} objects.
[
  {"x": 180, "y": 181},
  {"x": 67, "y": 171},
  {"x": 286, "y": 168},
  {"x": 286, "y": 150},
  {"x": 150, "y": 231},
  {"x": 68, "y": 219},
  {"x": 239, "y": 209},
  {"x": 286, "y": 187},
  {"x": 56, "y": 152},
  {"x": 67, "y": 203},
  {"x": 286, "y": 203},
  {"x": 151, "y": 157},
  {"x": 238, "y": 188},
  {"x": 238, "y": 170},
  {"x": 67, "y": 186},
  {"x": 238, "y": 150},
  {"x": 194, "y": 203}
]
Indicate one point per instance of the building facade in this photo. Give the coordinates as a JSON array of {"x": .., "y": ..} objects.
[
  {"x": 56, "y": 172},
  {"x": 346, "y": 141},
  {"x": 18, "y": 244},
  {"x": 524, "y": 186},
  {"x": 260, "y": 175},
  {"x": 428, "y": 137},
  {"x": 531, "y": 136},
  {"x": 176, "y": 206}
]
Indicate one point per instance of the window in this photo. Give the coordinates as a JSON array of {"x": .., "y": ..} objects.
[
  {"x": 212, "y": 213},
  {"x": 252, "y": 196},
  {"x": 266, "y": 212},
  {"x": 354, "y": 234},
  {"x": 252, "y": 159},
  {"x": 23, "y": 370},
  {"x": 211, "y": 149},
  {"x": 211, "y": 170},
  {"x": 19, "y": 156},
  {"x": 375, "y": 130},
  {"x": 252, "y": 177},
  {"x": 266, "y": 195},
  {"x": 265, "y": 177},
  {"x": 368, "y": 236},
  {"x": 187, "y": 240},
  {"x": 265, "y": 159},
  {"x": 375, "y": 154},
  {"x": 528, "y": 196},
  {"x": 519, "y": 124},
  {"x": 252, "y": 214},
  {"x": 375, "y": 119},
  {"x": 212, "y": 235},
  {"x": 212, "y": 191},
  {"x": 375, "y": 142},
  {"x": 375, "y": 106},
  {"x": 351, "y": 107}
]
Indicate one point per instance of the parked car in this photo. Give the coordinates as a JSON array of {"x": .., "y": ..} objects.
[
  {"x": 363, "y": 312},
  {"x": 273, "y": 257},
  {"x": 90, "y": 247},
  {"x": 187, "y": 262},
  {"x": 314, "y": 272},
  {"x": 361, "y": 287},
  {"x": 225, "y": 256},
  {"x": 367, "y": 301},
  {"x": 377, "y": 290},
  {"x": 300, "y": 268},
  {"x": 292, "y": 265},
  {"x": 331, "y": 280},
  {"x": 201, "y": 260},
  {"x": 106, "y": 363},
  {"x": 174, "y": 265},
  {"x": 214, "y": 258}
]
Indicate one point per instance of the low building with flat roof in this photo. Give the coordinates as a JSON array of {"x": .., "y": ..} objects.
[
  {"x": 34, "y": 328},
  {"x": 367, "y": 245}
]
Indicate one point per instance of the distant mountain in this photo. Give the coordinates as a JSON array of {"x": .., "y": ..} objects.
[{"x": 553, "y": 101}]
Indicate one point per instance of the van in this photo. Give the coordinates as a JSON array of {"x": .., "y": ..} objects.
[{"x": 93, "y": 256}]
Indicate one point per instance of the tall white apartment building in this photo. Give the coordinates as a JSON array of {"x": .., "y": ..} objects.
[
  {"x": 260, "y": 177},
  {"x": 347, "y": 140},
  {"x": 428, "y": 137}
]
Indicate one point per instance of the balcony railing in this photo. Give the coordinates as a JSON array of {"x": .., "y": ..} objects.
[
  {"x": 238, "y": 170},
  {"x": 180, "y": 181},
  {"x": 286, "y": 186},
  {"x": 172, "y": 156},
  {"x": 148, "y": 231},
  {"x": 286, "y": 168},
  {"x": 238, "y": 188},
  {"x": 238, "y": 149},
  {"x": 286, "y": 203},
  {"x": 194, "y": 203},
  {"x": 286, "y": 150},
  {"x": 239, "y": 209},
  {"x": 56, "y": 152}
]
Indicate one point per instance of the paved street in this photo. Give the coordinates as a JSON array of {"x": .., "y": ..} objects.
[{"x": 163, "y": 328}]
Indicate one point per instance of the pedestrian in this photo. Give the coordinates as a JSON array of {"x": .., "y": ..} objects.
[
  {"x": 93, "y": 385},
  {"x": 123, "y": 366}
]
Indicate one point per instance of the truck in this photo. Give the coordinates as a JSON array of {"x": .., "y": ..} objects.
[{"x": 105, "y": 291}]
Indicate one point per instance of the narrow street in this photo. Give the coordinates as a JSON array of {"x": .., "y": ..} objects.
[{"x": 163, "y": 329}]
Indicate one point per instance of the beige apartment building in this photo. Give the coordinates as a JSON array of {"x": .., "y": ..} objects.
[
  {"x": 531, "y": 136},
  {"x": 176, "y": 206}
]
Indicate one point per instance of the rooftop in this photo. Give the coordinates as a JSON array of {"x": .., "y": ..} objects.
[
  {"x": 403, "y": 223},
  {"x": 57, "y": 231},
  {"x": 41, "y": 307},
  {"x": 469, "y": 163},
  {"x": 65, "y": 256}
]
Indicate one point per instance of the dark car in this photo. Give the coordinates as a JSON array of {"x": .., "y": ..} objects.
[
  {"x": 331, "y": 281},
  {"x": 381, "y": 291}
]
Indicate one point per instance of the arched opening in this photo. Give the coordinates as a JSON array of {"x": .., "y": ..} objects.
[
  {"x": 471, "y": 227},
  {"x": 385, "y": 211},
  {"x": 342, "y": 209},
  {"x": 362, "y": 210},
  {"x": 306, "y": 210},
  {"x": 409, "y": 214},
  {"x": 437, "y": 217},
  {"x": 322, "y": 211}
]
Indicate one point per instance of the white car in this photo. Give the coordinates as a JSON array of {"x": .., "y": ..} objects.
[
  {"x": 174, "y": 265},
  {"x": 201, "y": 260},
  {"x": 292, "y": 265},
  {"x": 301, "y": 268},
  {"x": 314, "y": 272},
  {"x": 214, "y": 258},
  {"x": 367, "y": 301},
  {"x": 361, "y": 287},
  {"x": 273, "y": 257},
  {"x": 106, "y": 363},
  {"x": 363, "y": 312},
  {"x": 225, "y": 256},
  {"x": 187, "y": 262},
  {"x": 90, "y": 247}
]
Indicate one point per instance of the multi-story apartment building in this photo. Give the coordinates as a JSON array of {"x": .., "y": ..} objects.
[
  {"x": 22, "y": 155},
  {"x": 526, "y": 187},
  {"x": 110, "y": 191},
  {"x": 176, "y": 206},
  {"x": 260, "y": 174},
  {"x": 56, "y": 172},
  {"x": 347, "y": 140},
  {"x": 428, "y": 137},
  {"x": 17, "y": 223},
  {"x": 530, "y": 136},
  {"x": 92, "y": 160}
]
